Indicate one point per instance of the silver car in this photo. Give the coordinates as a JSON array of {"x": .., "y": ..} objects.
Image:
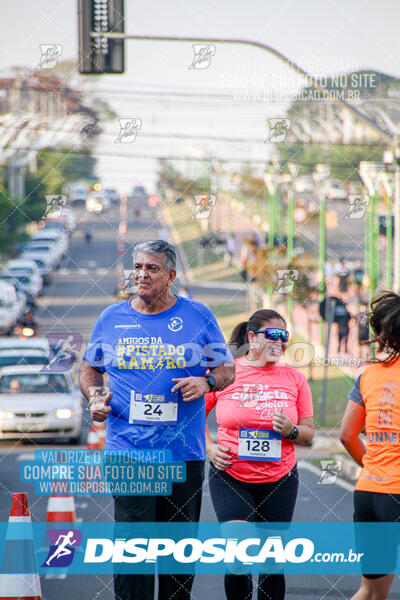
[{"x": 37, "y": 404}]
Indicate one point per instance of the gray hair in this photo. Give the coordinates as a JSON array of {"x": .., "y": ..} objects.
[{"x": 158, "y": 247}]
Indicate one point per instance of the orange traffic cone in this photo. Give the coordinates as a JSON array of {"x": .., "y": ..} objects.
[
  {"x": 101, "y": 435},
  {"x": 96, "y": 439},
  {"x": 61, "y": 509},
  {"x": 93, "y": 438},
  {"x": 19, "y": 578}
]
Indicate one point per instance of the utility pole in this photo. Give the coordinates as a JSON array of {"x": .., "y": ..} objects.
[{"x": 321, "y": 174}]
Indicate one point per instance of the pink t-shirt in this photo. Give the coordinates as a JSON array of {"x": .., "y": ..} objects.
[{"x": 250, "y": 402}]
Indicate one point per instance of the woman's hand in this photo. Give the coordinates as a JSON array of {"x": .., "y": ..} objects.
[
  {"x": 219, "y": 457},
  {"x": 281, "y": 423}
]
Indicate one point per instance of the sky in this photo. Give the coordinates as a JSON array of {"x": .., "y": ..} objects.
[{"x": 233, "y": 97}]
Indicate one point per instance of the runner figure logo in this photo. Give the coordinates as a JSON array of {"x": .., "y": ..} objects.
[
  {"x": 50, "y": 53},
  {"x": 129, "y": 285},
  {"x": 203, "y": 54},
  {"x": 251, "y": 394},
  {"x": 203, "y": 206},
  {"x": 278, "y": 129},
  {"x": 286, "y": 279},
  {"x": 63, "y": 350},
  {"x": 54, "y": 205},
  {"x": 329, "y": 471},
  {"x": 61, "y": 552},
  {"x": 97, "y": 393},
  {"x": 128, "y": 129},
  {"x": 357, "y": 205},
  {"x": 175, "y": 324}
]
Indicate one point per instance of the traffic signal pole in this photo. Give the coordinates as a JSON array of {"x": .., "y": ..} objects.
[
  {"x": 310, "y": 79},
  {"x": 100, "y": 37}
]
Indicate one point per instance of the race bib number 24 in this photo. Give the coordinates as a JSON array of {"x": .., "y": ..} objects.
[{"x": 149, "y": 409}]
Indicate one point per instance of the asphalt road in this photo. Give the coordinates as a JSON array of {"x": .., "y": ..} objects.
[{"x": 78, "y": 292}]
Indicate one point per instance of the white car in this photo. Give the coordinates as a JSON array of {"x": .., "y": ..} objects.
[
  {"x": 36, "y": 404},
  {"x": 24, "y": 281},
  {"x": 336, "y": 190},
  {"x": 43, "y": 262},
  {"x": 24, "y": 351},
  {"x": 66, "y": 219},
  {"x": 46, "y": 249},
  {"x": 53, "y": 225},
  {"x": 9, "y": 307},
  {"x": 59, "y": 238},
  {"x": 22, "y": 266}
]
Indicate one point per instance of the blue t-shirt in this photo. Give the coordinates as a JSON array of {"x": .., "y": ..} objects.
[{"x": 142, "y": 354}]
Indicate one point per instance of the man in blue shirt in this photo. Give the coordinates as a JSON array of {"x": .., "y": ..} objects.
[{"x": 156, "y": 349}]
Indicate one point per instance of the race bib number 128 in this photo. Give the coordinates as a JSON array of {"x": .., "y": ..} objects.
[
  {"x": 259, "y": 444},
  {"x": 148, "y": 409}
]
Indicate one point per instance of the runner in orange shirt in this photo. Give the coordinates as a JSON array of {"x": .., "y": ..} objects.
[
  {"x": 268, "y": 409},
  {"x": 374, "y": 405}
]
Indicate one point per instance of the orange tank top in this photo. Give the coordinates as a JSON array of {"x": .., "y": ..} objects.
[{"x": 380, "y": 392}]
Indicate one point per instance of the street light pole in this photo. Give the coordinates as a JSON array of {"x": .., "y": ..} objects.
[
  {"x": 321, "y": 174},
  {"x": 294, "y": 170},
  {"x": 369, "y": 172},
  {"x": 271, "y": 187}
]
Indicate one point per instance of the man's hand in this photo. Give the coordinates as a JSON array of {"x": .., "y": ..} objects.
[
  {"x": 191, "y": 387},
  {"x": 99, "y": 407}
]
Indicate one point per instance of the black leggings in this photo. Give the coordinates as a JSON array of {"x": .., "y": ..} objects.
[
  {"x": 256, "y": 502},
  {"x": 373, "y": 507},
  {"x": 183, "y": 504}
]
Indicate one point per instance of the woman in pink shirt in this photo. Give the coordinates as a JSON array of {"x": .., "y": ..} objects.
[{"x": 260, "y": 416}]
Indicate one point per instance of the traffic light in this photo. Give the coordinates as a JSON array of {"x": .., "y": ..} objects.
[{"x": 100, "y": 55}]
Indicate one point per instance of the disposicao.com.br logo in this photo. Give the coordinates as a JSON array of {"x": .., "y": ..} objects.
[
  {"x": 296, "y": 548},
  {"x": 191, "y": 550}
]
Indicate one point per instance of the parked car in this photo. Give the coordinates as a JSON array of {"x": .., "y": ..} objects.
[
  {"x": 52, "y": 225},
  {"x": 50, "y": 251},
  {"x": 22, "y": 266},
  {"x": 24, "y": 282},
  {"x": 9, "y": 307},
  {"x": 24, "y": 351},
  {"x": 336, "y": 190},
  {"x": 43, "y": 262},
  {"x": 36, "y": 404},
  {"x": 58, "y": 238},
  {"x": 66, "y": 219}
]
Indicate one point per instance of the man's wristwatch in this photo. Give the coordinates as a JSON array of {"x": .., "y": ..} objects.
[
  {"x": 293, "y": 434},
  {"x": 211, "y": 381}
]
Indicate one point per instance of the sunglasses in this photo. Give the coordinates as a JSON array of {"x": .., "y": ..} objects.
[{"x": 271, "y": 333}]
